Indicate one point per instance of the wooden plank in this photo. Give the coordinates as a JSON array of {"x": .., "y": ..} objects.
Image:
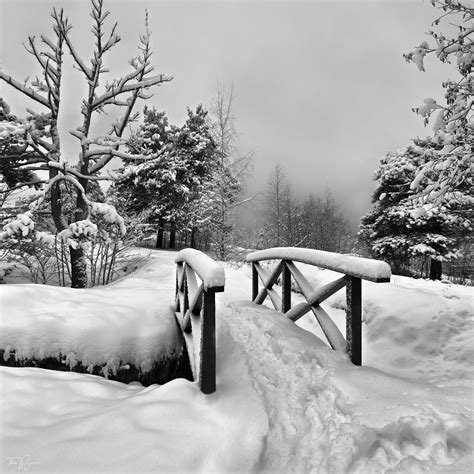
[
  {"x": 207, "y": 373},
  {"x": 285, "y": 288},
  {"x": 354, "y": 320}
]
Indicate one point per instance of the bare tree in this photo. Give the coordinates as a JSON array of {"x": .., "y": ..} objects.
[
  {"x": 229, "y": 174},
  {"x": 275, "y": 203},
  {"x": 96, "y": 151}
]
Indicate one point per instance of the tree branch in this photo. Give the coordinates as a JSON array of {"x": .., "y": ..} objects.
[
  {"x": 28, "y": 91},
  {"x": 152, "y": 81}
]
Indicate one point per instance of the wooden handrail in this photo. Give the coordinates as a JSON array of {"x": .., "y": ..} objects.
[
  {"x": 195, "y": 311},
  {"x": 354, "y": 270},
  {"x": 364, "y": 268}
]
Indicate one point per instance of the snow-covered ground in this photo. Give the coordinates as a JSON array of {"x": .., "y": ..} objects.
[{"x": 284, "y": 403}]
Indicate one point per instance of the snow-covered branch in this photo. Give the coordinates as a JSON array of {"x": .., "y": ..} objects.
[
  {"x": 106, "y": 98},
  {"x": 24, "y": 89}
]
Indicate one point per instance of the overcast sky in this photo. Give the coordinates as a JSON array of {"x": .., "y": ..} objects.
[{"x": 320, "y": 87}]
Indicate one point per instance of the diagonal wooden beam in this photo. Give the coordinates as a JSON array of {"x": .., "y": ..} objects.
[
  {"x": 275, "y": 299},
  {"x": 195, "y": 303},
  {"x": 191, "y": 282},
  {"x": 179, "y": 276},
  {"x": 331, "y": 331},
  {"x": 302, "y": 282},
  {"x": 267, "y": 280},
  {"x": 315, "y": 297},
  {"x": 298, "y": 311}
]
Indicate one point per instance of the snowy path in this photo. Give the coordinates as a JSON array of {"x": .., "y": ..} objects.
[
  {"x": 327, "y": 416},
  {"x": 285, "y": 403}
]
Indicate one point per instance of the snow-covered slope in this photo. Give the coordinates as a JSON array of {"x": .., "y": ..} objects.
[{"x": 285, "y": 402}]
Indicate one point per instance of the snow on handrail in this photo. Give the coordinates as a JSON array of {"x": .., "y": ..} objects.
[
  {"x": 210, "y": 272},
  {"x": 365, "y": 268}
]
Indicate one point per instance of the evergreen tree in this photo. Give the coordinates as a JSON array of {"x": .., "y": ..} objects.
[
  {"x": 399, "y": 231},
  {"x": 171, "y": 189}
]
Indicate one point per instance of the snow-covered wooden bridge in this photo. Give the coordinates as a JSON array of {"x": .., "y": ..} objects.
[{"x": 195, "y": 307}]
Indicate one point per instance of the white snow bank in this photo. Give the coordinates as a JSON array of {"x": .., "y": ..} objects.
[
  {"x": 211, "y": 273},
  {"x": 70, "y": 422},
  {"x": 128, "y": 322},
  {"x": 368, "y": 269}
]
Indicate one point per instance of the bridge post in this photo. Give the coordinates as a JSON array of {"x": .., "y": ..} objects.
[
  {"x": 354, "y": 319},
  {"x": 254, "y": 282},
  {"x": 207, "y": 371},
  {"x": 286, "y": 289}
]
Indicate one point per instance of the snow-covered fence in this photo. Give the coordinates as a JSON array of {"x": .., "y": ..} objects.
[
  {"x": 196, "y": 312},
  {"x": 355, "y": 269}
]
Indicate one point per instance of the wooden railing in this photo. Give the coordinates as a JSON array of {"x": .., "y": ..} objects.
[
  {"x": 198, "y": 279},
  {"x": 354, "y": 269}
]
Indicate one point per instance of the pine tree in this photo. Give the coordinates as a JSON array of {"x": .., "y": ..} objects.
[
  {"x": 399, "y": 231},
  {"x": 170, "y": 190}
]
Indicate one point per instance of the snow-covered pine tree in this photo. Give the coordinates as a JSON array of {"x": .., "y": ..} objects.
[
  {"x": 400, "y": 230},
  {"x": 170, "y": 191},
  {"x": 14, "y": 156},
  {"x": 96, "y": 152}
]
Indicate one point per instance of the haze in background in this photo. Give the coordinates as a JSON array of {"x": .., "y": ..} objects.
[{"x": 320, "y": 87}]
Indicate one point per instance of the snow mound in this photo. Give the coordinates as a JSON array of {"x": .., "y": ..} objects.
[
  {"x": 70, "y": 422},
  {"x": 130, "y": 322}
]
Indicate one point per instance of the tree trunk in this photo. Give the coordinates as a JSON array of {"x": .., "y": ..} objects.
[
  {"x": 172, "y": 244},
  {"x": 436, "y": 270},
  {"x": 78, "y": 268},
  {"x": 194, "y": 232},
  {"x": 160, "y": 236}
]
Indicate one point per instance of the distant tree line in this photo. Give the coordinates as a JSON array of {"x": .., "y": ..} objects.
[{"x": 316, "y": 221}]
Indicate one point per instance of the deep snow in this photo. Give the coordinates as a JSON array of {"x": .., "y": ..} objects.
[{"x": 285, "y": 402}]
